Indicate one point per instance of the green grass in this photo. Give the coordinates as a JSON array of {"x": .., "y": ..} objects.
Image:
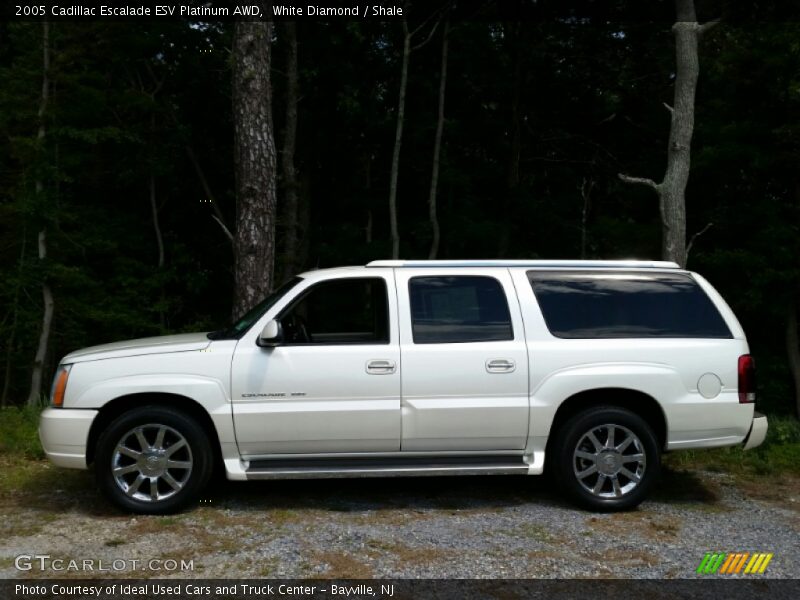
[
  {"x": 23, "y": 469},
  {"x": 780, "y": 453},
  {"x": 19, "y": 432}
]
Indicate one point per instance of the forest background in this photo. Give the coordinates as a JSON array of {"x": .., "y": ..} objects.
[{"x": 457, "y": 132}]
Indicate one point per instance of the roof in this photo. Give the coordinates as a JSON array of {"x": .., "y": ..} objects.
[{"x": 587, "y": 264}]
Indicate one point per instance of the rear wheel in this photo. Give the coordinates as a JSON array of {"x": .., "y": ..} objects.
[
  {"x": 153, "y": 460},
  {"x": 606, "y": 458}
]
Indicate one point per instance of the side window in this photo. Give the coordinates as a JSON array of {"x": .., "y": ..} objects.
[
  {"x": 341, "y": 311},
  {"x": 626, "y": 305},
  {"x": 458, "y": 309}
]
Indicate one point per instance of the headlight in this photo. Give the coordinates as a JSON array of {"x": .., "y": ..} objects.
[{"x": 59, "y": 385}]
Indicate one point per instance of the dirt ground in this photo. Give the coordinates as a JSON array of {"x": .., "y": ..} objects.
[{"x": 417, "y": 527}]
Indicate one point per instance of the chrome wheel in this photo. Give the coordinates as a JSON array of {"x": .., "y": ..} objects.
[
  {"x": 609, "y": 461},
  {"x": 151, "y": 462}
]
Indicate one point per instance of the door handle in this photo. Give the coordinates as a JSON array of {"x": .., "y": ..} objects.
[
  {"x": 500, "y": 365},
  {"x": 381, "y": 367}
]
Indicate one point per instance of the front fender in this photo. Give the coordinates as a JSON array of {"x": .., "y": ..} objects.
[{"x": 206, "y": 391}]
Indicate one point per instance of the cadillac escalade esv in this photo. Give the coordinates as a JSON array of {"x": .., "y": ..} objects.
[{"x": 590, "y": 369}]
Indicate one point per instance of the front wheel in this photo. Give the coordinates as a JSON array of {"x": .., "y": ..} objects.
[
  {"x": 153, "y": 460},
  {"x": 607, "y": 458}
]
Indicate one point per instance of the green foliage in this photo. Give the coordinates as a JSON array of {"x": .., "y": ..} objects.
[
  {"x": 127, "y": 102},
  {"x": 783, "y": 431},
  {"x": 780, "y": 453},
  {"x": 19, "y": 435}
]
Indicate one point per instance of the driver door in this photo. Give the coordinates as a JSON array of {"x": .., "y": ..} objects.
[{"x": 333, "y": 385}]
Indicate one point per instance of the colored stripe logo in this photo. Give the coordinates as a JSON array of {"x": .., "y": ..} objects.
[{"x": 734, "y": 563}]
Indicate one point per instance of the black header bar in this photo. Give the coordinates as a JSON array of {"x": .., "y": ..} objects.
[{"x": 578, "y": 11}]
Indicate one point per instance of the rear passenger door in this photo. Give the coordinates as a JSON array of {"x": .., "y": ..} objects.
[{"x": 464, "y": 360}]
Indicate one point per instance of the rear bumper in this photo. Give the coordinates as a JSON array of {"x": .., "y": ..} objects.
[
  {"x": 758, "y": 431},
  {"x": 64, "y": 433}
]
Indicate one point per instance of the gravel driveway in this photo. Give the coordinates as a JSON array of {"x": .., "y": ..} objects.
[{"x": 417, "y": 527}]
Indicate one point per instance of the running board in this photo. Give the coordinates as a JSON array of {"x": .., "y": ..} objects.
[{"x": 321, "y": 468}]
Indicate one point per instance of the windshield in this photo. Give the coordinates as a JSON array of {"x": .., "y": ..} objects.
[{"x": 254, "y": 314}]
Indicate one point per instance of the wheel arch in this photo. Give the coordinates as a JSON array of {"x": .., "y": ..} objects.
[
  {"x": 122, "y": 404},
  {"x": 640, "y": 403}
]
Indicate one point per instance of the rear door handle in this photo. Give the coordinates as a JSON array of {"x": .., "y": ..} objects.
[
  {"x": 381, "y": 367},
  {"x": 500, "y": 365}
]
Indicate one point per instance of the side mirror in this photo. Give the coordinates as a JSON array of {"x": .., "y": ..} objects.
[{"x": 271, "y": 335}]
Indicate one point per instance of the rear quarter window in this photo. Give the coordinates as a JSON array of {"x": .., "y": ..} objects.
[{"x": 577, "y": 304}]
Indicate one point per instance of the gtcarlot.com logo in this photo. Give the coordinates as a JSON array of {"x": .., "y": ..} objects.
[
  {"x": 734, "y": 563},
  {"x": 44, "y": 562}
]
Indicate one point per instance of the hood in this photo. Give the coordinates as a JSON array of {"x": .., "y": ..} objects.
[{"x": 183, "y": 342}]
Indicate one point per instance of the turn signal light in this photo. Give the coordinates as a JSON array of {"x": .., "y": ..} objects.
[{"x": 60, "y": 386}]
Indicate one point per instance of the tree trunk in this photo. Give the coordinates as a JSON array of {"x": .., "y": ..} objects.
[
  {"x": 401, "y": 111},
  {"x": 793, "y": 351},
  {"x": 398, "y": 138},
  {"x": 154, "y": 202},
  {"x": 35, "y": 394},
  {"x": 289, "y": 144},
  {"x": 254, "y": 156},
  {"x": 515, "y": 145},
  {"x": 673, "y": 188},
  {"x": 671, "y": 191},
  {"x": 437, "y": 146},
  {"x": 159, "y": 241}
]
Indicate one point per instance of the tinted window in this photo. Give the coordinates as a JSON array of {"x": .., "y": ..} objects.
[
  {"x": 458, "y": 309},
  {"x": 626, "y": 305},
  {"x": 342, "y": 311}
]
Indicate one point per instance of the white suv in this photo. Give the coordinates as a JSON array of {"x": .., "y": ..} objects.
[{"x": 589, "y": 368}]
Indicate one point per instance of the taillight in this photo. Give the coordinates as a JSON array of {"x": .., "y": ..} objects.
[
  {"x": 747, "y": 379},
  {"x": 60, "y": 386}
]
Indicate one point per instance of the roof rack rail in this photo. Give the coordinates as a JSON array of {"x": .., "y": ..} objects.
[{"x": 603, "y": 264}]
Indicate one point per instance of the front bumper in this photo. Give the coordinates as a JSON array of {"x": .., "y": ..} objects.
[
  {"x": 64, "y": 433},
  {"x": 758, "y": 431}
]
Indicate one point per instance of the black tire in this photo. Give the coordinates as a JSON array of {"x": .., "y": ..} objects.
[
  {"x": 606, "y": 494},
  {"x": 154, "y": 464}
]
